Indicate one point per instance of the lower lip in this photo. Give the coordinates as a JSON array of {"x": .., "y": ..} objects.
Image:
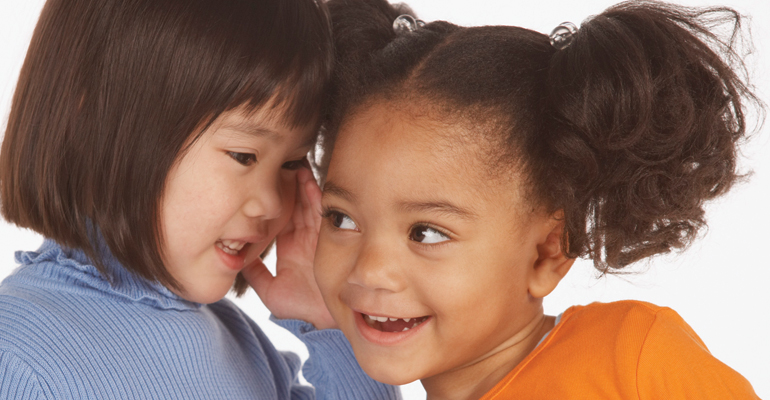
[
  {"x": 233, "y": 262},
  {"x": 386, "y": 338}
]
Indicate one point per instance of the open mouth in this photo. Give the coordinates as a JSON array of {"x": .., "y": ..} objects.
[
  {"x": 232, "y": 247},
  {"x": 386, "y": 324}
]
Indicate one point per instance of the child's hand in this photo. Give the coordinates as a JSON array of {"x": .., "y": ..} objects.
[{"x": 293, "y": 292}]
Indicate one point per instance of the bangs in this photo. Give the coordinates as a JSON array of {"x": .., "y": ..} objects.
[
  {"x": 284, "y": 63},
  {"x": 235, "y": 53}
]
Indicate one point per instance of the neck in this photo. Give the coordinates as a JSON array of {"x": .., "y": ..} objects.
[{"x": 473, "y": 380}]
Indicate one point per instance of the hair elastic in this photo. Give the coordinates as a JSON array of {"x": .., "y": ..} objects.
[
  {"x": 406, "y": 23},
  {"x": 563, "y": 35}
]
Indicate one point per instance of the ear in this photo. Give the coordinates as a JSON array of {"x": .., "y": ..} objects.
[{"x": 551, "y": 264}]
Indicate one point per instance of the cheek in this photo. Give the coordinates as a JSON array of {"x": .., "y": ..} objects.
[
  {"x": 472, "y": 281},
  {"x": 330, "y": 263}
]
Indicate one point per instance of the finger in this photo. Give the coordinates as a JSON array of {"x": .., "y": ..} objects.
[
  {"x": 304, "y": 178},
  {"x": 295, "y": 221},
  {"x": 298, "y": 218},
  {"x": 314, "y": 210},
  {"x": 259, "y": 277}
]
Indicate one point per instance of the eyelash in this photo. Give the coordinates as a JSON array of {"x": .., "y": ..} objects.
[
  {"x": 294, "y": 165},
  {"x": 329, "y": 213},
  {"x": 418, "y": 225},
  {"x": 248, "y": 159},
  {"x": 251, "y": 158}
]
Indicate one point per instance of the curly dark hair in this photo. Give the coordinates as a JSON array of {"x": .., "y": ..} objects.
[{"x": 628, "y": 131}]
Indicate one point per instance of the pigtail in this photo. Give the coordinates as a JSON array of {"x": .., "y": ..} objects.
[
  {"x": 647, "y": 109},
  {"x": 361, "y": 28}
]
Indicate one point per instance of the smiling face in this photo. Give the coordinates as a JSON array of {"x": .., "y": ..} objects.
[
  {"x": 227, "y": 198},
  {"x": 425, "y": 260}
]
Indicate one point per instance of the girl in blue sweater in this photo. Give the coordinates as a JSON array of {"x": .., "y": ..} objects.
[{"x": 160, "y": 148}]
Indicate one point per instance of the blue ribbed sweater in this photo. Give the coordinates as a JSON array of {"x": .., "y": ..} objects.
[{"x": 67, "y": 333}]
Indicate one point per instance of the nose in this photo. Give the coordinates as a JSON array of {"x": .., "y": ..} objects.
[
  {"x": 264, "y": 199},
  {"x": 377, "y": 267}
]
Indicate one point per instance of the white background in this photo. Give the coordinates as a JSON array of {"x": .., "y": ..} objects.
[{"x": 720, "y": 285}]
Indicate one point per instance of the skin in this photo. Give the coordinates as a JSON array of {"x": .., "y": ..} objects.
[
  {"x": 415, "y": 226},
  {"x": 245, "y": 179}
]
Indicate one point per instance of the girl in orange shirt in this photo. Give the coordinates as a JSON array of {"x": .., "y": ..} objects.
[{"x": 465, "y": 169}]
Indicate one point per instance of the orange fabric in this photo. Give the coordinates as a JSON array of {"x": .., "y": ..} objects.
[{"x": 621, "y": 350}]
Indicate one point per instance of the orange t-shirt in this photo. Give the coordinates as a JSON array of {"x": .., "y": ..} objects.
[{"x": 621, "y": 350}]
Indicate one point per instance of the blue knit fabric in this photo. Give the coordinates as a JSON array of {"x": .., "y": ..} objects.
[{"x": 67, "y": 333}]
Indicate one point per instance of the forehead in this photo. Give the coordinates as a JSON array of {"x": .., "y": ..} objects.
[
  {"x": 412, "y": 152},
  {"x": 265, "y": 122}
]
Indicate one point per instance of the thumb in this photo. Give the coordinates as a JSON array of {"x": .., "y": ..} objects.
[{"x": 259, "y": 277}]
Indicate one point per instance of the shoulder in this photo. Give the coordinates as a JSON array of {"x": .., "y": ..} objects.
[
  {"x": 675, "y": 361},
  {"x": 627, "y": 329},
  {"x": 647, "y": 324},
  {"x": 28, "y": 338},
  {"x": 38, "y": 328},
  {"x": 591, "y": 353},
  {"x": 609, "y": 319},
  {"x": 616, "y": 310},
  {"x": 623, "y": 350},
  {"x": 24, "y": 310},
  {"x": 660, "y": 353},
  {"x": 19, "y": 379}
]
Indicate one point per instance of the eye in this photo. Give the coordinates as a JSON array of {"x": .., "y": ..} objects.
[
  {"x": 340, "y": 220},
  {"x": 294, "y": 165},
  {"x": 244, "y": 159},
  {"x": 427, "y": 235}
]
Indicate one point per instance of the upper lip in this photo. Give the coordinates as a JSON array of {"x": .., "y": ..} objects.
[
  {"x": 246, "y": 239},
  {"x": 380, "y": 314}
]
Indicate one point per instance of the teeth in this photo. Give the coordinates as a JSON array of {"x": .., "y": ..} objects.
[
  {"x": 233, "y": 244},
  {"x": 372, "y": 318},
  {"x": 384, "y": 319},
  {"x": 231, "y": 247}
]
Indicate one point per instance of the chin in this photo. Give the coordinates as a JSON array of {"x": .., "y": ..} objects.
[
  {"x": 387, "y": 373},
  {"x": 207, "y": 295}
]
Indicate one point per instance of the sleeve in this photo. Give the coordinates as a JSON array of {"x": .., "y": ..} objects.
[
  {"x": 332, "y": 367},
  {"x": 674, "y": 363},
  {"x": 17, "y": 379}
]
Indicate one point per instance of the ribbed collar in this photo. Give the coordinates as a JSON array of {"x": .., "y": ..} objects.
[{"x": 76, "y": 269}]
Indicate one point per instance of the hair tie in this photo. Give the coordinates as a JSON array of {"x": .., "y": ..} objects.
[
  {"x": 406, "y": 23},
  {"x": 563, "y": 35}
]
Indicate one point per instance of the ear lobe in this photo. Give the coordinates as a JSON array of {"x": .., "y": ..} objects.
[{"x": 551, "y": 265}]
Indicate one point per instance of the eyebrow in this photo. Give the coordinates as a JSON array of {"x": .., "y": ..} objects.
[
  {"x": 247, "y": 127},
  {"x": 437, "y": 207},
  {"x": 334, "y": 190}
]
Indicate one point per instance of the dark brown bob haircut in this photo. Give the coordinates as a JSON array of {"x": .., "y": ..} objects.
[
  {"x": 628, "y": 131},
  {"x": 111, "y": 91}
]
